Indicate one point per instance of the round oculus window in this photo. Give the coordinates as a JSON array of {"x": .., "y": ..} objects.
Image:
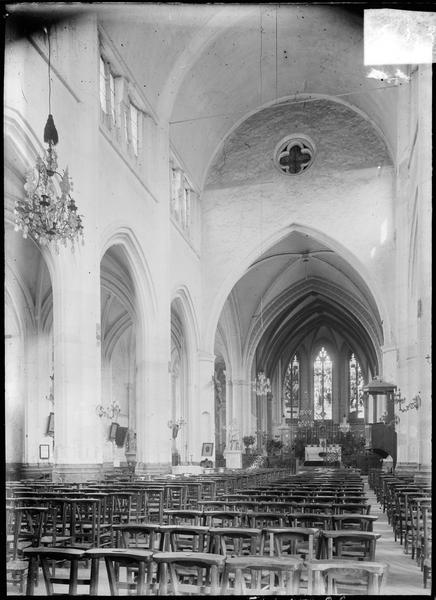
[{"x": 294, "y": 154}]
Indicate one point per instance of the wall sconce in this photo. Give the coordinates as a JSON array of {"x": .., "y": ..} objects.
[
  {"x": 400, "y": 401},
  {"x": 175, "y": 426}
]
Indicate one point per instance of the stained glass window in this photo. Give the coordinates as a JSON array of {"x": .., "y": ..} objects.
[
  {"x": 356, "y": 388},
  {"x": 291, "y": 388},
  {"x": 322, "y": 385}
]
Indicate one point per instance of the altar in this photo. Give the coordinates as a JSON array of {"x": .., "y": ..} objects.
[
  {"x": 329, "y": 454},
  {"x": 233, "y": 459}
]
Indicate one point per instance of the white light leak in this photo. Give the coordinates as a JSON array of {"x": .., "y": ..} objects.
[
  {"x": 398, "y": 37},
  {"x": 373, "y": 251},
  {"x": 388, "y": 76},
  {"x": 383, "y": 231}
]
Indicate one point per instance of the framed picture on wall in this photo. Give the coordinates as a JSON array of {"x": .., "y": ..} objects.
[
  {"x": 207, "y": 449},
  {"x": 44, "y": 451}
]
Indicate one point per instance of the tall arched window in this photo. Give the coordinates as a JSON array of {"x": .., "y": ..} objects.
[
  {"x": 322, "y": 386},
  {"x": 291, "y": 389},
  {"x": 355, "y": 388}
]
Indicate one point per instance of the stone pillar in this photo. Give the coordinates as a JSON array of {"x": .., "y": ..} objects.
[
  {"x": 203, "y": 429},
  {"x": 424, "y": 262},
  {"x": 241, "y": 406},
  {"x": 76, "y": 276},
  {"x": 76, "y": 317}
]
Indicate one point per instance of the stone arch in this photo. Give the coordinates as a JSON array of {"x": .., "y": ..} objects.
[
  {"x": 184, "y": 349},
  {"x": 291, "y": 100},
  {"x": 142, "y": 310},
  {"x": 242, "y": 266}
]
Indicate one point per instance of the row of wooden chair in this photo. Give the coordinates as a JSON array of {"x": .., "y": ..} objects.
[
  {"x": 408, "y": 509},
  {"x": 185, "y": 573}
]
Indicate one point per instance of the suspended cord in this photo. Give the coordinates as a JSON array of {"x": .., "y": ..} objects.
[
  {"x": 49, "y": 72},
  {"x": 276, "y": 60},
  {"x": 260, "y": 58}
]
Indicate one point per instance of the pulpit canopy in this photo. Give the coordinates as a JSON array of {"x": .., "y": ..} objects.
[{"x": 379, "y": 387}]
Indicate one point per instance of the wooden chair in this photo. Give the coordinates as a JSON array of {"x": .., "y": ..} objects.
[
  {"x": 25, "y": 526},
  {"x": 360, "y": 508},
  {"x": 260, "y": 575},
  {"x": 189, "y": 573},
  {"x": 147, "y": 536},
  {"x": 354, "y": 522},
  {"x": 346, "y": 577},
  {"x": 88, "y": 524},
  {"x": 191, "y": 538},
  {"x": 282, "y": 541},
  {"x": 57, "y": 530},
  {"x": 136, "y": 562},
  {"x": 261, "y": 519},
  {"x": 224, "y": 518},
  {"x": 235, "y": 540},
  {"x": 154, "y": 500},
  {"x": 183, "y": 516},
  {"x": 45, "y": 557},
  {"x": 342, "y": 543},
  {"x": 317, "y": 520}
]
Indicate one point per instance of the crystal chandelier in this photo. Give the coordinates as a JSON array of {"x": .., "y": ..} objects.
[{"x": 48, "y": 213}]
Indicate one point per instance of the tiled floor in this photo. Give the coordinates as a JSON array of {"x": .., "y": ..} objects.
[{"x": 404, "y": 576}]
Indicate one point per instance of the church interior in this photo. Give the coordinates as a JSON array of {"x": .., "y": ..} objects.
[{"x": 250, "y": 327}]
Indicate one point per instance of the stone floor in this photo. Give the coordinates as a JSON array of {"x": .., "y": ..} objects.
[{"x": 404, "y": 576}]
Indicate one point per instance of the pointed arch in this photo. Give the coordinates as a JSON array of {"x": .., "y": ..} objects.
[{"x": 380, "y": 317}]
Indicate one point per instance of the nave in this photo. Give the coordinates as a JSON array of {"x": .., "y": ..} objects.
[{"x": 268, "y": 531}]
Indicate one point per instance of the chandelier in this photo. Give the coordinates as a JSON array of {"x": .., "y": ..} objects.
[
  {"x": 262, "y": 384},
  {"x": 48, "y": 212}
]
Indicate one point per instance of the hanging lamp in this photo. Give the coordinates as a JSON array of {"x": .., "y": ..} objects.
[{"x": 48, "y": 213}]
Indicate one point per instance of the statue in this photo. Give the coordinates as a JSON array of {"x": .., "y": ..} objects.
[{"x": 234, "y": 437}]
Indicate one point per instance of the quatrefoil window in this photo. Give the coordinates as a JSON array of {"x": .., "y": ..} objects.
[{"x": 294, "y": 155}]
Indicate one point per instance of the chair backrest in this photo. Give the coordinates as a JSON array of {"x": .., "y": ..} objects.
[
  {"x": 361, "y": 544},
  {"x": 261, "y": 519},
  {"x": 28, "y": 526},
  {"x": 224, "y": 518},
  {"x": 235, "y": 540},
  {"x": 147, "y": 536},
  {"x": 154, "y": 499},
  {"x": 252, "y": 575},
  {"x": 283, "y": 541},
  {"x": 353, "y": 521},
  {"x": 185, "y": 538},
  {"x": 186, "y": 573},
  {"x": 346, "y": 577},
  {"x": 184, "y": 516}
]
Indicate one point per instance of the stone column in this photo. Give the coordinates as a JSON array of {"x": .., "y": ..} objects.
[
  {"x": 424, "y": 159},
  {"x": 203, "y": 429},
  {"x": 76, "y": 276},
  {"x": 76, "y": 317}
]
